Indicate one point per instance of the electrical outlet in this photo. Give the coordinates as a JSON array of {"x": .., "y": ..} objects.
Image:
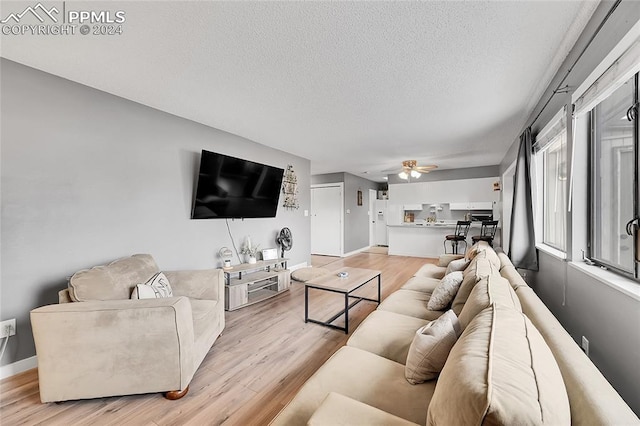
[
  {"x": 585, "y": 345},
  {"x": 7, "y": 328}
]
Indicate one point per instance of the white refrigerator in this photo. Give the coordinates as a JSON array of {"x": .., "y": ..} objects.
[{"x": 381, "y": 222}]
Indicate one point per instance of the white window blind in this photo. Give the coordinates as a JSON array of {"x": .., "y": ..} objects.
[
  {"x": 615, "y": 76},
  {"x": 557, "y": 125}
]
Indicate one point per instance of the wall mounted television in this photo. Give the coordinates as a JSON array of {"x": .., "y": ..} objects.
[{"x": 230, "y": 187}]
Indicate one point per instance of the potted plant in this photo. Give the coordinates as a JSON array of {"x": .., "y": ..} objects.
[{"x": 250, "y": 250}]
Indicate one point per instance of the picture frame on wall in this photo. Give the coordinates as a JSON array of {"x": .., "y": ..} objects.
[{"x": 359, "y": 197}]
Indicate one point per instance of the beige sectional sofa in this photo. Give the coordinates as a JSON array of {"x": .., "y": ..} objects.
[
  {"x": 97, "y": 342},
  {"x": 512, "y": 364}
]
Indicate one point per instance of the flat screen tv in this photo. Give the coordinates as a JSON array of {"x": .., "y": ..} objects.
[{"x": 230, "y": 187}]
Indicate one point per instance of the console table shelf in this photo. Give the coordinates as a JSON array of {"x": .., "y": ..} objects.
[{"x": 249, "y": 283}]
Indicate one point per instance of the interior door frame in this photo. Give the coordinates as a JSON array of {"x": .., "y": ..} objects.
[
  {"x": 341, "y": 186},
  {"x": 373, "y": 194}
]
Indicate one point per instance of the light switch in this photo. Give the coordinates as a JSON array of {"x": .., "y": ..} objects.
[
  {"x": 306, "y": 213},
  {"x": 348, "y": 211}
]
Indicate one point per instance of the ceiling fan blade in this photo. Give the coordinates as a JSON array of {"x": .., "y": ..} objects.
[{"x": 425, "y": 169}]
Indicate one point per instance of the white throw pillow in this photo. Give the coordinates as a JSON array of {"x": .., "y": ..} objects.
[
  {"x": 445, "y": 292},
  {"x": 157, "y": 287},
  {"x": 430, "y": 348},
  {"x": 457, "y": 265}
]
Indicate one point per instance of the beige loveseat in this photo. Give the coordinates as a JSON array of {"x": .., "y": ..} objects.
[
  {"x": 97, "y": 342},
  {"x": 512, "y": 364}
]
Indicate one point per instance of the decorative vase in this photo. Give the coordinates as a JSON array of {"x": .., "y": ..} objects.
[{"x": 252, "y": 259}]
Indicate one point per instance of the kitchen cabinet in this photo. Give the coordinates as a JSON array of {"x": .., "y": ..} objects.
[
  {"x": 445, "y": 191},
  {"x": 477, "y": 205},
  {"x": 412, "y": 207}
]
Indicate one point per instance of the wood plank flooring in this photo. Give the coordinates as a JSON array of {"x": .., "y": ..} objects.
[{"x": 263, "y": 357}]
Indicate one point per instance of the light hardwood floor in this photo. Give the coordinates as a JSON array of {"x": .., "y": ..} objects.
[{"x": 263, "y": 357}]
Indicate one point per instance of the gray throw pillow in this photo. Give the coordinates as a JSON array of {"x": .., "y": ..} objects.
[
  {"x": 445, "y": 292},
  {"x": 430, "y": 348}
]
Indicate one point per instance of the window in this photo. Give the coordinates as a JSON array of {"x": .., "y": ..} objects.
[
  {"x": 554, "y": 192},
  {"x": 550, "y": 163},
  {"x": 614, "y": 174}
]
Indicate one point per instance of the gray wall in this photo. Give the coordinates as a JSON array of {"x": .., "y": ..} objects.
[
  {"x": 356, "y": 223},
  {"x": 604, "y": 315},
  {"x": 450, "y": 174},
  {"x": 88, "y": 177}
]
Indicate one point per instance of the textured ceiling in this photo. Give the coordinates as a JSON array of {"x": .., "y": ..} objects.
[{"x": 352, "y": 86}]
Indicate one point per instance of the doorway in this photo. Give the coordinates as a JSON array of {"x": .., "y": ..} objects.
[
  {"x": 327, "y": 205},
  {"x": 372, "y": 217}
]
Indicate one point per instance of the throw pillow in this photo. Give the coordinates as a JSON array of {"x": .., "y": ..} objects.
[
  {"x": 456, "y": 265},
  {"x": 157, "y": 287},
  {"x": 445, "y": 292},
  {"x": 430, "y": 348}
]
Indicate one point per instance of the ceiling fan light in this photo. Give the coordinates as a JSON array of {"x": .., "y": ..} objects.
[
  {"x": 403, "y": 175},
  {"x": 415, "y": 174}
]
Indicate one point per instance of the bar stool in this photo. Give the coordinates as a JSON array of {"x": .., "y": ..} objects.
[
  {"x": 487, "y": 232},
  {"x": 459, "y": 236}
]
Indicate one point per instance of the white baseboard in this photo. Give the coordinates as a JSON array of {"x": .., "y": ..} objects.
[
  {"x": 298, "y": 266},
  {"x": 360, "y": 250},
  {"x": 18, "y": 367}
]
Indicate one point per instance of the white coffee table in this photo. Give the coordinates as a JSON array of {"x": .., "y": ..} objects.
[{"x": 344, "y": 285}]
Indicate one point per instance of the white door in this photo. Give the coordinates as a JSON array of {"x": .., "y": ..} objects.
[
  {"x": 326, "y": 220},
  {"x": 372, "y": 217}
]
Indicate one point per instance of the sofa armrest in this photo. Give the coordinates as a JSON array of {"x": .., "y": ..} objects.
[
  {"x": 337, "y": 409},
  {"x": 445, "y": 259},
  {"x": 116, "y": 347},
  {"x": 197, "y": 284}
]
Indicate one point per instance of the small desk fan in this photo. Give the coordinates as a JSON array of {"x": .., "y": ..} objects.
[{"x": 284, "y": 240}]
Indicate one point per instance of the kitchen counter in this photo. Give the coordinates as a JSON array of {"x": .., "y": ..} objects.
[
  {"x": 435, "y": 225},
  {"x": 406, "y": 240}
]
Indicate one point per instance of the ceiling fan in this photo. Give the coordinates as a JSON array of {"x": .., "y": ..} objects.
[{"x": 410, "y": 168}]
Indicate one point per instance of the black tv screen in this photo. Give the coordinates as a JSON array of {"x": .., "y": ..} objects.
[{"x": 230, "y": 187}]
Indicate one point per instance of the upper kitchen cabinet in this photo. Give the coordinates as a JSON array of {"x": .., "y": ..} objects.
[
  {"x": 465, "y": 191},
  {"x": 473, "y": 205}
]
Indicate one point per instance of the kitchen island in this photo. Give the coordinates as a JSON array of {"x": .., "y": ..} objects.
[{"x": 427, "y": 239}]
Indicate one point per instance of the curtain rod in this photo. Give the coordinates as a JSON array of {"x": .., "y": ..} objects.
[{"x": 565, "y": 89}]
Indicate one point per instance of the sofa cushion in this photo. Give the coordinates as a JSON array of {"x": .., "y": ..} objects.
[
  {"x": 365, "y": 377},
  {"x": 444, "y": 293},
  {"x": 337, "y": 409},
  {"x": 475, "y": 249},
  {"x": 500, "y": 372},
  {"x": 592, "y": 398},
  {"x": 114, "y": 281},
  {"x": 409, "y": 302},
  {"x": 489, "y": 290},
  {"x": 158, "y": 286},
  {"x": 430, "y": 348},
  {"x": 479, "y": 268},
  {"x": 423, "y": 284},
  {"x": 515, "y": 279},
  {"x": 445, "y": 259},
  {"x": 431, "y": 270},
  {"x": 456, "y": 265},
  {"x": 386, "y": 334}
]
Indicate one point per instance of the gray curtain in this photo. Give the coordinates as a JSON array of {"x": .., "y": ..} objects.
[{"x": 522, "y": 241}]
